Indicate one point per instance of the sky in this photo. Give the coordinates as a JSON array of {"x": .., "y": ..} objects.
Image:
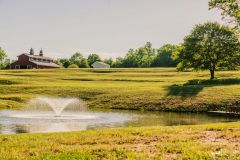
[{"x": 106, "y": 27}]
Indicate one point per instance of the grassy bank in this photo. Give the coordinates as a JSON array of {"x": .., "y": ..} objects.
[
  {"x": 142, "y": 89},
  {"x": 214, "y": 141}
]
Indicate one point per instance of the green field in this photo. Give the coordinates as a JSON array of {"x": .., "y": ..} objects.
[
  {"x": 215, "y": 141},
  {"x": 139, "y": 89}
]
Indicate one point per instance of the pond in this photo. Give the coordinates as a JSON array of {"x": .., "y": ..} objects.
[{"x": 14, "y": 122}]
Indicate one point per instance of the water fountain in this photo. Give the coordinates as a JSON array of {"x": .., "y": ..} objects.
[
  {"x": 56, "y": 104},
  {"x": 54, "y": 108},
  {"x": 55, "y": 114}
]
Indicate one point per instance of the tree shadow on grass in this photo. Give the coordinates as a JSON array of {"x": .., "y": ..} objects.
[{"x": 193, "y": 87}]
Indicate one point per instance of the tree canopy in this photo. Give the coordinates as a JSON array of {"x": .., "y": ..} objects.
[
  {"x": 109, "y": 61},
  {"x": 84, "y": 63},
  {"x": 3, "y": 61},
  {"x": 208, "y": 47},
  {"x": 164, "y": 57},
  {"x": 64, "y": 62},
  {"x": 76, "y": 59},
  {"x": 93, "y": 58},
  {"x": 141, "y": 57},
  {"x": 229, "y": 8}
]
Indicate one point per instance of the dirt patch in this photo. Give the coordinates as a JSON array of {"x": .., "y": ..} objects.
[{"x": 211, "y": 137}]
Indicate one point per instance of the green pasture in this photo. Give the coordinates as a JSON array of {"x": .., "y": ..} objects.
[{"x": 141, "y": 89}]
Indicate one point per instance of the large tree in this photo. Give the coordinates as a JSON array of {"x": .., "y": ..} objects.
[
  {"x": 118, "y": 63},
  {"x": 230, "y": 9},
  {"x": 64, "y": 62},
  {"x": 131, "y": 60},
  {"x": 76, "y": 58},
  {"x": 145, "y": 55},
  {"x": 84, "y": 63},
  {"x": 3, "y": 60},
  {"x": 208, "y": 47},
  {"x": 93, "y": 58},
  {"x": 164, "y": 57},
  {"x": 109, "y": 61},
  {"x": 141, "y": 57}
]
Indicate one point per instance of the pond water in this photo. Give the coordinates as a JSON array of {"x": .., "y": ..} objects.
[{"x": 14, "y": 122}]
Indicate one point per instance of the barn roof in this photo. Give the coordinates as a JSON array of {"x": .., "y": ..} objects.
[
  {"x": 102, "y": 63},
  {"x": 48, "y": 64},
  {"x": 37, "y": 56}
]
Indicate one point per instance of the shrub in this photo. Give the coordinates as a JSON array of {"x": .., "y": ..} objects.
[{"x": 73, "y": 66}]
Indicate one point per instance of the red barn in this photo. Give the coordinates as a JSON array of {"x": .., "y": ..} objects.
[{"x": 31, "y": 61}]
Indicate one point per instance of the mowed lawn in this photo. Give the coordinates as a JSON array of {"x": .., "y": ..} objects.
[
  {"x": 212, "y": 141},
  {"x": 141, "y": 89}
]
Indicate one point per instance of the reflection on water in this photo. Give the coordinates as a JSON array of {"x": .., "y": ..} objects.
[
  {"x": 13, "y": 122},
  {"x": 43, "y": 128}
]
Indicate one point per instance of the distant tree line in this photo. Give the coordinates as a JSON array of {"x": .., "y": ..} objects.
[
  {"x": 143, "y": 57},
  {"x": 77, "y": 60},
  {"x": 147, "y": 56}
]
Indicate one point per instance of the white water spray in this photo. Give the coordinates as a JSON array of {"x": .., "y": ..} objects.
[{"x": 58, "y": 105}]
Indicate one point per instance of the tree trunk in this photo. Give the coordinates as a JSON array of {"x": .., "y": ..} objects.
[{"x": 212, "y": 74}]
